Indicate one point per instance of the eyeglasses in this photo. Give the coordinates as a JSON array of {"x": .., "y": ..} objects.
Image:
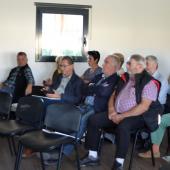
[
  {"x": 64, "y": 66},
  {"x": 128, "y": 63}
]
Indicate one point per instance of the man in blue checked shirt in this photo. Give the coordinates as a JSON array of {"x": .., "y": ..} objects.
[
  {"x": 152, "y": 68},
  {"x": 20, "y": 80}
]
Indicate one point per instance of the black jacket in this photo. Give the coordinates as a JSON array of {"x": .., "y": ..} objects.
[
  {"x": 151, "y": 115},
  {"x": 103, "y": 91},
  {"x": 73, "y": 90},
  {"x": 23, "y": 78}
]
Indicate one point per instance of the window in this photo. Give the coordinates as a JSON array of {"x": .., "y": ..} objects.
[{"x": 61, "y": 30}]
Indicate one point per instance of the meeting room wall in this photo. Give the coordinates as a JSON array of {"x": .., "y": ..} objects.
[{"x": 127, "y": 26}]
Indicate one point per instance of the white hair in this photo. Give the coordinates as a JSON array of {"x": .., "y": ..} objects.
[
  {"x": 116, "y": 61},
  {"x": 139, "y": 59},
  {"x": 152, "y": 58}
]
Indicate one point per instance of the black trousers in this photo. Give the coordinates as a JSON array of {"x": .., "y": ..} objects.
[{"x": 123, "y": 132}]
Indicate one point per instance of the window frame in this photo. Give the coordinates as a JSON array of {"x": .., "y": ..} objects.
[{"x": 60, "y": 9}]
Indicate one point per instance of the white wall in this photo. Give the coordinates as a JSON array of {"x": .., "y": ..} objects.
[{"x": 127, "y": 26}]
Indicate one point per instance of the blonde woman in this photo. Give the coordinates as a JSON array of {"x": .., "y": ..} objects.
[{"x": 57, "y": 72}]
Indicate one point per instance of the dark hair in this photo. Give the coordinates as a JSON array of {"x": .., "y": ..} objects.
[
  {"x": 22, "y": 53},
  {"x": 69, "y": 60},
  {"x": 95, "y": 55}
]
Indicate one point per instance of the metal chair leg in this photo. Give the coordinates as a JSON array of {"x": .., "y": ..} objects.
[
  {"x": 42, "y": 161},
  {"x": 13, "y": 146},
  {"x": 168, "y": 136},
  {"x": 133, "y": 148},
  {"x": 77, "y": 156},
  {"x": 101, "y": 142},
  {"x": 152, "y": 155},
  {"x": 19, "y": 156},
  {"x": 10, "y": 147},
  {"x": 60, "y": 157}
]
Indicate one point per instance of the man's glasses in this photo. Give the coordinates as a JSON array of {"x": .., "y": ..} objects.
[{"x": 128, "y": 63}]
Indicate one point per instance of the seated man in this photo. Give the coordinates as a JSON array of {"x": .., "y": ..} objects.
[
  {"x": 133, "y": 105},
  {"x": 152, "y": 68},
  {"x": 67, "y": 86},
  {"x": 20, "y": 80},
  {"x": 98, "y": 94}
]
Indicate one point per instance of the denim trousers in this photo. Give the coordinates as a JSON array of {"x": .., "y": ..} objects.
[{"x": 87, "y": 111}]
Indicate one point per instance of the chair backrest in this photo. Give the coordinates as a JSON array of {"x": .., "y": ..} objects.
[
  {"x": 30, "y": 110},
  {"x": 37, "y": 90},
  {"x": 5, "y": 103},
  {"x": 63, "y": 118}
]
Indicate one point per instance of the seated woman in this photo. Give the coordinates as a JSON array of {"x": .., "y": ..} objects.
[
  {"x": 90, "y": 73},
  {"x": 37, "y": 90},
  {"x": 121, "y": 59},
  {"x": 157, "y": 137},
  {"x": 56, "y": 73}
]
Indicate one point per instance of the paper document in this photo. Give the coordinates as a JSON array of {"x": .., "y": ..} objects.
[
  {"x": 57, "y": 133},
  {"x": 45, "y": 97}
]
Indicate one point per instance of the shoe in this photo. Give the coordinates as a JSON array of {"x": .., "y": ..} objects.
[
  {"x": 89, "y": 161},
  {"x": 47, "y": 156},
  {"x": 71, "y": 157},
  {"x": 149, "y": 155},
  {"x": 117, "y": 166},
  {"x": 50, "y": 162},
  {"x": 28, "y": 153}
]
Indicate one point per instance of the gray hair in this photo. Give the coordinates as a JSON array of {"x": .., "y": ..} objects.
[
  {"x": 139, "y": 59},
  {"x": 152, "y": 58},
  {"x": 116, "y": 60}
]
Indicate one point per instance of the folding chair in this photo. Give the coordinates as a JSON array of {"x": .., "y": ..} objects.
[
  {"x": 62, "y": 123},
  {"x": 29, "y": 117}
]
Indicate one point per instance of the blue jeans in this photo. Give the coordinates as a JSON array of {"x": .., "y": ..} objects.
[
  {"x": 6, "y": 89},
  {"x": 87, "y": 111},
  {"x": 50, "y": 101}
]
